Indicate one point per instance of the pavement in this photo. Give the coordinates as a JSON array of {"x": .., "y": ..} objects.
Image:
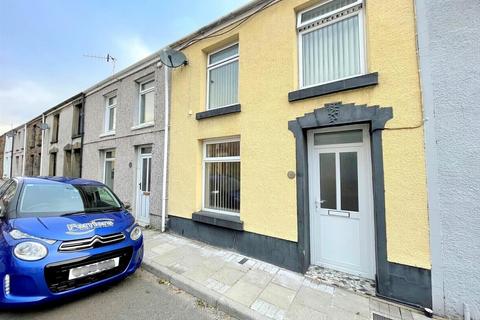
[
  {"x": 142, "y": 296},
  {"x": 246, "y": 288}
]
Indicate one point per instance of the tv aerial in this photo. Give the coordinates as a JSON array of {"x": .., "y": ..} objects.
[
  {"x": 108, "y": 58},
  {"x": 172, "y": 58}
]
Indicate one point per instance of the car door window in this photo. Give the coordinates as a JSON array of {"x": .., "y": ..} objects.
[
  {"x": 9, "y": 192},
  {"x": 4, "y": 187}
]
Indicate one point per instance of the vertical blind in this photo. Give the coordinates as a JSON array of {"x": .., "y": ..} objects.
[
  {"x": 223, "y": 78},
  {"x": 323, "y": 9},
  {"x": 222, "y": 177},
  {"x": 331, "y": 52}
]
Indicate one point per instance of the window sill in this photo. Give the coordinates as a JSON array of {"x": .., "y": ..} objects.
[
  {"x": 218, "y": 112},
  {"x": 53, "y": 141},
  {"x": 75, "y": 136},
  {"x": 107, "y": 134},
  {"x": 142, "y": 126},
  {"x": 365, "y": 80},
  {"x": 218, "y": 219}
]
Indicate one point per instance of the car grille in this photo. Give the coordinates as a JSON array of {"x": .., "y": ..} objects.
[
  {"x": 56, "y": 274},
  {"x": 93, "y": 242}
]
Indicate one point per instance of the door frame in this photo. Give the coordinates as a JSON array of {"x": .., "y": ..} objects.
[
  {"x": 138, "y": 180},
  {"x": 313, "y": 177}
]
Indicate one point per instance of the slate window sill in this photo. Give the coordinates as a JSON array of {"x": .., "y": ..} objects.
[
  {"x": 218, "y": 112},
  {"x": 218, "y": 219},
  {"x": 365, "y": 80}
]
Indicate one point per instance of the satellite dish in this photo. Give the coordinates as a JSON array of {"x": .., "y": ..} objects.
[
  {"x": 173, "y": 58},
  {"x": 44, "y": 126}
]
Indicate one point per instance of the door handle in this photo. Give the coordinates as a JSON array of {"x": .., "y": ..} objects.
[{"x": 318, "y": 203}]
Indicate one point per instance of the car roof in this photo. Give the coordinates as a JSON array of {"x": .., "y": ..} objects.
[{"x": 66, "y": 180}]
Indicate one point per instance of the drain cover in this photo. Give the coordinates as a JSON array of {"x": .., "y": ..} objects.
[
  {"x": 380, "y": 317},
  {"x": 243, "y": 261}
]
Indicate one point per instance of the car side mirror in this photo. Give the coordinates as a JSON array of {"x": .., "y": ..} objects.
[{"x": 127, "y": 205}]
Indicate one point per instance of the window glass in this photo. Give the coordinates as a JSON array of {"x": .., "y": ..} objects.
[
  {"x": 352, "y": 136},
  {"x": 147, "y": 101},
  {"x": 111, "y": 119},
  {"x": 323, "y": 9},
  {"x": 224, "y": 149},
  {"x": 147, "y": 85},
  {"x": 59, "y": 198},
  {"x": 224, "y": 54},
  {"x": 328, "y": 181},
  {"x": 112, "y": 100},
  {"x": 222, "y": 177},
  {"x": 331, "y": 52},
  {"x": 146, "y": 150},
  {"x": 223, "y": 85},
  {"x": 349, "y": 181}
]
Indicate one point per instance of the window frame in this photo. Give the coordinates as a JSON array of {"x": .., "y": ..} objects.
[
  {"x": 143, "y": 92},
  {"x": 108, "y": 107},
  {"x": 105, "y": 159},
  {"x": 218, "y": 64},
  {"x": 361, "y": 37},
  {"x": 206, "y": 160}
]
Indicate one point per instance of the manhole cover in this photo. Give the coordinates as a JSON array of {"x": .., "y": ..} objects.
[{"x": 379, "y": 317}]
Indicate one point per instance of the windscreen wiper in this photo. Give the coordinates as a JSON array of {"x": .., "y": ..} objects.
[{"x": 73, "y": 213}]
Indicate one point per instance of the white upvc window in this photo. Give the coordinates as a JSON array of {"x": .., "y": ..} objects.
[
  {"x": 110, "y": 113},
  {"x": 221, "y": 176},
  {"x": 222, "y": 77},
  {"x": 109, "y": 168},
  {"x": 146, "y": 104},
  {"x": 331, "y": 42}
]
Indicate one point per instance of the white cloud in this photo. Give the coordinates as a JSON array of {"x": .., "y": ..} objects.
[
  {"x": 132, "y": 49},
  {"x": 20, "y": 101}
]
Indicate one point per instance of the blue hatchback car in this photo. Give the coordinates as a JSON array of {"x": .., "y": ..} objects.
[{"x": 61, "y": 236}]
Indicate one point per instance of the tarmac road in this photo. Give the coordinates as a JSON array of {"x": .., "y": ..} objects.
[{"x": 141, "y": 296}]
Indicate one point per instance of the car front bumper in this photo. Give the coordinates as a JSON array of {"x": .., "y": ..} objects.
[{"x": 35, "y": 282}]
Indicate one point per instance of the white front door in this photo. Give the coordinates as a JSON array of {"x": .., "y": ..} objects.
[
  {"x": 341, "y": 200},
  {"x": 142, "y": 210}
]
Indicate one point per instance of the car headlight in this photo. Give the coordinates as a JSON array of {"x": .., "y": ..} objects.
[
  {"x": 30, "y": 251},
  {"x": 19, "y": 235},
  {"x": 136, "y": 233}
]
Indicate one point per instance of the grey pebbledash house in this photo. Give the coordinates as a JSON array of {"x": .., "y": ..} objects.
[
  {"x": 124, "y": 137},
  {"x": 449, "y": 49},
  {"x": 63, "y": 139}
]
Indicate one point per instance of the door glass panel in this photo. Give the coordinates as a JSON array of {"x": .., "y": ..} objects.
[
  {"x": 328, "y": 181},
  {"x": 352, "y": 136},
  {"x": 110, "y": 173},
  {"x": 144, "y": 174},
  {"x": 349, "y": 181},
  {"x": 149, "y": 174}
]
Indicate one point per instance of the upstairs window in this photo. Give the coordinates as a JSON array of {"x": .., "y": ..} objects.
[
  {"x": 110, "y": 113},
  {"x": 147, "y": 102},
  {"x": 331, "y": 42},
  {"x": 222, "y": 78},
  {"x": 55, "y": 129},
  {"x": 77, "y": 125},
  {"x": 221, "y": 164}
]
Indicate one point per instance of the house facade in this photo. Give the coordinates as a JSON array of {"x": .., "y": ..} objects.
[
  {"x": 448, "y": 42},
  {"x": 297, "y": 138},
  {"x": 124, "y": 137},
  {"x": 18, "y": 151},
  {"x": 33, "y": 147},
  {"x": 7, "y": 155},
  {"x": 61, "y": 152}
]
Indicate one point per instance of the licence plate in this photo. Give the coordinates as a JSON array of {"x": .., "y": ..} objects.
[{"x": 93, "y": 268}]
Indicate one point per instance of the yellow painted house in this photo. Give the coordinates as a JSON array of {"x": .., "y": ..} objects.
[{"x": 297, "y": 138}]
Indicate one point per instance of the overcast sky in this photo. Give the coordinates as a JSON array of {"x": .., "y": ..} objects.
[{"x": 42, "y": 43}]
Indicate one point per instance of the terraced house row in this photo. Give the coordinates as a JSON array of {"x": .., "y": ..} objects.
[{"x": 337, "y": 134}]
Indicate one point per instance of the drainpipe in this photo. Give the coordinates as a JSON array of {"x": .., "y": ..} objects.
[
  {"x": 41, "y": 148},
  {"x": 11, "y": 154},
  {"x": 24, "y": 149},
  {"x": 165, "y": 148}
]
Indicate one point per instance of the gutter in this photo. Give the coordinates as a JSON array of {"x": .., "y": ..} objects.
[
  {"x": 24, "y": 150},
  {"x": 165, "y": 146}
]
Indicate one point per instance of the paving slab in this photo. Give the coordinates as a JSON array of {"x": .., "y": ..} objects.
[{"x": 248, "y": 288}]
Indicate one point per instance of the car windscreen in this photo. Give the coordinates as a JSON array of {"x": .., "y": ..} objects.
[{"x": 57, "y": 199}]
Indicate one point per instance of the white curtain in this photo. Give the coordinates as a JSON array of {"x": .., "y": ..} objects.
[{"x": 331, "y": 52}]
